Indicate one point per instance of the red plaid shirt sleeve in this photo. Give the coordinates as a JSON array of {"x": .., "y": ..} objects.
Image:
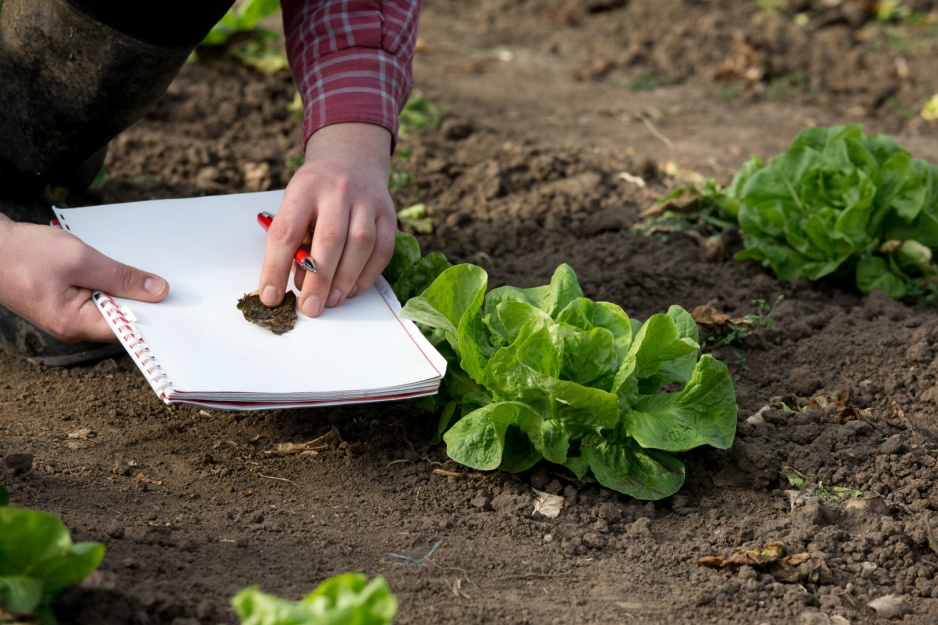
[{"x": 352, "y": 59}]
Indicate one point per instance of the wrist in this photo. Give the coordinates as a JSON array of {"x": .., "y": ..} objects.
[{"x": 368, "y": 143}]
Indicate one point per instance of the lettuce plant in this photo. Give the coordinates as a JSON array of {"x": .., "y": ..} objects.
[
  {"x": 341, "y": 600},
  {"x": 545, "y": 373},
  {"x": 838, "y": 203},
  {"x": 38, "y": 560}
]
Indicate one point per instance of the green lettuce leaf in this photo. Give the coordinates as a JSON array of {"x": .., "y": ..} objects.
[
  {"x": 452, "y": 304},
  {"x": 38, "y": 560},
  {"x": 340, "y": 600},
  {"x": 408, "y": 273},
  {"x": 406, "y": 253},
  {"x": 631, "y": 469},
  {"x": 481, "y": 439},
  {"x": 551, "y": 298},
  {"x": 703, "y": 413}
]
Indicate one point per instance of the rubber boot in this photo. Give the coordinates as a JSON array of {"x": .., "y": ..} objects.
[{"x": 68, "y": 85}]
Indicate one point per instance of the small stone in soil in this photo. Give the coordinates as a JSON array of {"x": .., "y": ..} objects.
[{"x": 278, "y": 320}]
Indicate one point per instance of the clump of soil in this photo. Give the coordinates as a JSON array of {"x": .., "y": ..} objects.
[{"x": 278, "y": 319}]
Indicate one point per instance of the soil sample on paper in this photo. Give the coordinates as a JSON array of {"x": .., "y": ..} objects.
[{"x": 278, "y": 320}]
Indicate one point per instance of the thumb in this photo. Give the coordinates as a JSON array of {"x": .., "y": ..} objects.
[{"x": 120, "y": 280}]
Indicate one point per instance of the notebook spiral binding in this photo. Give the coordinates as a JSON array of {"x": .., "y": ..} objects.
[{"x": 134, "y": 344}]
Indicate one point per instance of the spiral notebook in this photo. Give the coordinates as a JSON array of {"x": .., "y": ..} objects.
[{"x": 196, "y": 347}]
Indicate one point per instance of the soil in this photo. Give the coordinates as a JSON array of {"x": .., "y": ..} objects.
[{"x": 546, "y": 103}]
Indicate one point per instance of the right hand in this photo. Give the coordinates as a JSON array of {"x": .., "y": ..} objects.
[{"x": 47, "y": 277}]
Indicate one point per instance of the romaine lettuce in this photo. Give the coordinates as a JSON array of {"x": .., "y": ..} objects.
[
  {"x": 347, "y": 599},
  {"x": 839, "y": 202},
  {"x": 545, "y": 373}
]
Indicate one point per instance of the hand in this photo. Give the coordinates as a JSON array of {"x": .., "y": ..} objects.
[
  {"x": 340, "y": 195},
  {"x": 47, "y": 276}
]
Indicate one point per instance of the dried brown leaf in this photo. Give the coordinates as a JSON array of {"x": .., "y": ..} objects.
[
  {"x": 547, "y": 505},
  {"x": 329, "y": 440},
  {"x": 83, "y": 433},
  {"x": 712, "y": 250},
  {"x": 684, "y": 204},
  {"x": 890, "y": 606},
  {"x": 873, "y": 504},
  {"x": 713, "y": 318},
  {"x": 792, "y": 568},
  {"x": 836, "y": 406},
  {"x": 756, "y": 556}
]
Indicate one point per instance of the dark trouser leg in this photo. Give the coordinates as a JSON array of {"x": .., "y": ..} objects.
[
  {"x": 163, "y": 22},
  {"x": 74, "y": 74},
  {"x": 72, "y": 80}
]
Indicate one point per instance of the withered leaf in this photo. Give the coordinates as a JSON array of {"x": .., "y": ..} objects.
[
  {"x": 873, "y": 504},
  {"x": 890, "y": 606},
  {"x": 772, "y": 559},
  {"x": 685, "y": 205},
  {"x": 329, "y": 440},
  {"x": 713, "y": 318},
  {"x": 837, "y": 407},
  {"x": 278, "y": 320},
  {"x": 547, "y": 504},
  {"x": 757, "y": 556}
]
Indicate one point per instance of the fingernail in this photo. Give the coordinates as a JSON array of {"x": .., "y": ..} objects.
[
  {"x": 334, "y": 297},
  {"x": 154, "y": 286},
  {"x": 311, "y": 306},
  {"x": 353, "y": 291},
  {"x": 270, "y": 295}
]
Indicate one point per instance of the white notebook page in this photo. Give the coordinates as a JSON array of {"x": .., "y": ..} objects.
[{"x": 210, "y": 251}]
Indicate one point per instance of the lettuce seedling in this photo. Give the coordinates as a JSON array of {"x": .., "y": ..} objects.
[
  {"x": 255, "y": 49},
  {"x": 38, "y": 560},
  {"x": 838, "y": 203},
  {"x": 244, "y": 18},
  {"x": 418, "y": 112},
  {"x": 545, "y": 373},
  {"x": 340, "y": 600}
]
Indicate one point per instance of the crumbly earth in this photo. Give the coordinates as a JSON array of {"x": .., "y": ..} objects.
[
  {"x": 279, "y": 319},
  {"x": 543, "y": 113}
]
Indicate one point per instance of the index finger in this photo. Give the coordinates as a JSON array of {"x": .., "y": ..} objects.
[
  {"x": 329, "y": 241},
  {"x": 284, "y": 237}
]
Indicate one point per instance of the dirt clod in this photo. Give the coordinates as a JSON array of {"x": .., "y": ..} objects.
[{"x": 279, "y": 319}]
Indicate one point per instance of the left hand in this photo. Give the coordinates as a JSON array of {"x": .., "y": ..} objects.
[{"x": 340, "y": 197}]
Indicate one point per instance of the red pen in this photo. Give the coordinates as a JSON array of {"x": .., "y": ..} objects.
[{"x": 301, "y": 257}]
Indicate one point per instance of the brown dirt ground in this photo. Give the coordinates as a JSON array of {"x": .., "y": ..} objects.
[{"x": 542, "y": 114}]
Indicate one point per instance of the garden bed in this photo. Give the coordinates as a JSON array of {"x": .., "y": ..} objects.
[{"x": 542, "y": 115}]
